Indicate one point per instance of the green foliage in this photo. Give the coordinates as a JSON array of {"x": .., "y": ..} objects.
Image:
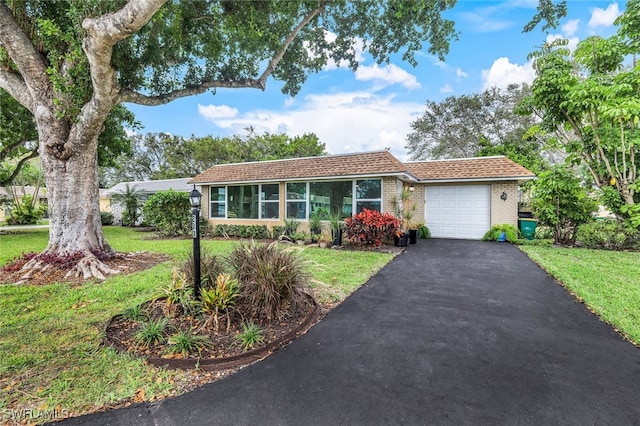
[
  {"x": 178, "y": 295},
  {"x": 560, "y": 202},
  {"x": 221, "y": 296},
  {"x": 250, "y": 337},
  {"x": 291, "y": 226},
  {"x": 211, "y": 266},
  {"x": 608, "y": 235},
  {"x": 152, "y": 332},
  {"x": 511, "y": 233},
  {"x": 26, "y": 211},
  {"x": 185, "y": 342},
  {"x": 106, "y": 218},
  {"x": 270, "y": 278},
  {"x": 315, "y": 221},
  {"x": 589, "y": 105},
  {"x": 423, "y": 231},
  {"x": 476, "y": 125},
  {"x": 131, "y": 199},
  {"x": 256, "y": 232},
  {"x": 135, "y": 313},
  {"x": 370, "y": 227},
  {"x": 169, "y": 212}
]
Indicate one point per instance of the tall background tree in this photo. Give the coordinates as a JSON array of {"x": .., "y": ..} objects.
[
  {"x": 589, "y": 101},
  {"x": 480, "y": 124},
  {"x": 165, "y": 156}
]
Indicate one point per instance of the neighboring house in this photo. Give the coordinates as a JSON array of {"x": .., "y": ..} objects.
[
  {"x": 147, "y": 187},
  {"x": 21, "y": 191},
  {"x": 455, "y": 198}
]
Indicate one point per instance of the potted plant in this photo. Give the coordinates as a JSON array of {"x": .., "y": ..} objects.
[
  {"x": 337, "y": 226},
  {"x": 405, "y": 212},
  {"x": 401, "y": 238}
]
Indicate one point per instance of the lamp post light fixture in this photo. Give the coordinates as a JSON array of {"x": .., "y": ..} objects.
[
  {"x": 194, "y": 198},
  {"x": 412, "y": 188}
]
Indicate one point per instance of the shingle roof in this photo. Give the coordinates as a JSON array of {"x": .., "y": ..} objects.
[
  {"x": 361, "y": 164},
  {"x": 378, "y": 163},
  {"x": 469, "y": 168}
]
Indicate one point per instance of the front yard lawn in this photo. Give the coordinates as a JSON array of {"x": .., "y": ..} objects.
[
  {"x": 51, "y": 358},
  {"x": 607, "y": 281}
]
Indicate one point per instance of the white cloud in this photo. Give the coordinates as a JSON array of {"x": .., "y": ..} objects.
[
  {"x": 217, "y": 111},
  {"x": 386, "y": 76},
  {"x": 502, "y": 73},
  {"x": 358, "y": 48},
  {"x": 570, "y": 27},
  {"x": 345, "y": 122},
  {"x": 604, "y": 17},
  {"x": 446, "y": 89},
  {"x": 461, "y": 74},
  {"x": 572, "y": 42}
]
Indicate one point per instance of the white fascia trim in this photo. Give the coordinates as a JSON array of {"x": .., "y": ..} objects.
[{"x": 518, "y": 178}]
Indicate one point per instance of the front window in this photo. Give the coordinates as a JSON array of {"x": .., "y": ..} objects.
[
  {"x": 218, "y": 201},
  {"x": 243, "y": 202},
  {"x": 368, "y": 194},
  {"x": 331, "y": 197},
  {"x": 297, "y": 200},
  {"x": 270, "y": 201}
]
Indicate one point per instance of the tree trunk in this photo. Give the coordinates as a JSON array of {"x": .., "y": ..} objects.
[{"x": 74, "y": 203}]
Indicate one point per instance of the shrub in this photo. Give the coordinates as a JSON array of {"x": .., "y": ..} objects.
[
  {"x": 169, "y": 212},
  {"x": 211, "y": 266},
  {"x": 561, "y": 203},
  {"x": 220, "y": 297},
  {"x": 423, "y": 231},
  {"x": 185, "y": 342},
  {"x": 151, "y": 333},
  {"x": 256, "y": 232},
  {"x": 496, "y": 230},
  {"x": 609, "y": 235},
  {"x": 26, "y": 211},
  {"x": 370, "y": 227},
  {"x": 251, "y": 336},
  {"x": 106, "y": 218},
  {"x": 269, "y": 277},
  {"x": 178, "y": 294}
]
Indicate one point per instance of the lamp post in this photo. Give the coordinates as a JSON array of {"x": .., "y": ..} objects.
[{"x": 194, "y": 199}]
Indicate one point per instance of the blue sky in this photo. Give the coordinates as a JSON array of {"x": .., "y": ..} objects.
[{"x": 373, "y": 108}]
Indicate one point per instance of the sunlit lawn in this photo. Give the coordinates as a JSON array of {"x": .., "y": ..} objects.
[
  {"x": 607, "y": 281},
  {"x": 50, "y": 351}
]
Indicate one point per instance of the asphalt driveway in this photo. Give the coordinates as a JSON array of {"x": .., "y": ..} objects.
[{"x": 450, "y": 332}]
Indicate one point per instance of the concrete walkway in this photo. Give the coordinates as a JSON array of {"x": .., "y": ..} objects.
[{"x": 449, "y": 333}]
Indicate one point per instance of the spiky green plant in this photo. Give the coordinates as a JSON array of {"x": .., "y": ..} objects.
[
  {"x": 221, "y": 297},
  {"x": 185, "y": 342},
  {"x": 250, "y": 337},
  {"x": 178, "y": 295},
  {"x": 151, "y": 333}
]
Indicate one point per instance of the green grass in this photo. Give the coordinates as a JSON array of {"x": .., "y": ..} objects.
[
  {"x": 607, "y": 281},
  {"x": 50, "y": 351}
]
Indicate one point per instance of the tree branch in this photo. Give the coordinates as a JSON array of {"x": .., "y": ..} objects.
[
  {"x": 30, "y": 63},
  {"x": 273, "y": 63},
  {"x": 21, "y": 163},
  {"x": 260, "y": 83}
]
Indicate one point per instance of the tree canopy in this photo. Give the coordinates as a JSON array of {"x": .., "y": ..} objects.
[
  {"x": 589, "y": 100},
  {"x": 480, "y": 124},
  {"x": 164, "y": 156}
]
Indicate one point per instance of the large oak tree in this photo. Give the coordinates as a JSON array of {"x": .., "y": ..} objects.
[{"x": 70, "y": 63}]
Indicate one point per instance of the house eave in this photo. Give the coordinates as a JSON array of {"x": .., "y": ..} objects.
[
  {"x": 520, "y": 179},
  {"x": 401, "y": 175}
]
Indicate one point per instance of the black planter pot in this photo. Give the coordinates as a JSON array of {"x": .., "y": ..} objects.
[
  {"x": 337, "y": 237},
  {"x": 402, "y": 240},
  {"x": 413, "y": 236}
]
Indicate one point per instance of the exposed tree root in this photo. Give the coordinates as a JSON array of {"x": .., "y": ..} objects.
[{"x": 91, "y": 267}]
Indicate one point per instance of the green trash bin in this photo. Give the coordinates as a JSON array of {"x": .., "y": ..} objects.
[{"x": 528, "y": 228}]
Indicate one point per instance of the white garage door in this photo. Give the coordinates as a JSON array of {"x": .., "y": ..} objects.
[{"x": 458, "y": 211}]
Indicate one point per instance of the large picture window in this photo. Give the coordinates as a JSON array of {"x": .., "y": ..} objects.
[
  {"x": 246, "y": 201},
  {"x": 305, "y": 198}
]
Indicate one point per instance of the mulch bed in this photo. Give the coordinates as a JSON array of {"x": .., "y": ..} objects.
[{"x": 225, "y": 351}]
